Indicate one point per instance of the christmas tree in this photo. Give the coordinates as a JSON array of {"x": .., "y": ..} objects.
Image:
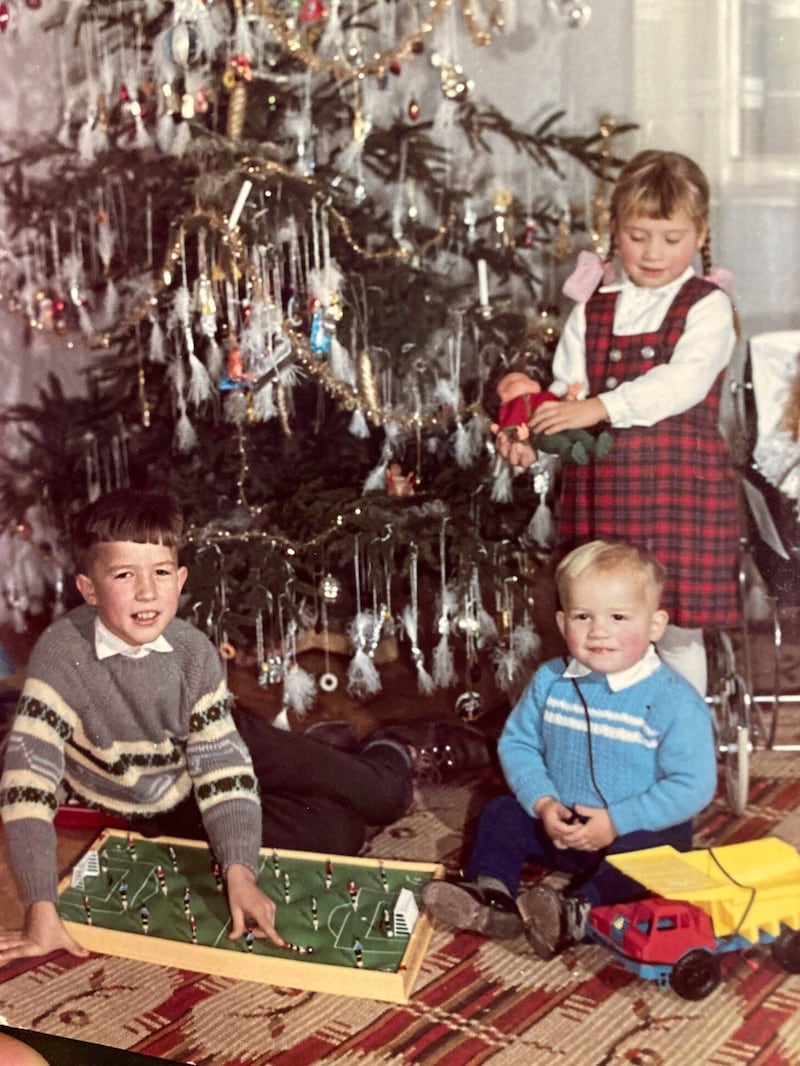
[{"x": 291, "y": 233}]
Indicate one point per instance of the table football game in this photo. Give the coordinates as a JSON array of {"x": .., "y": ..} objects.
[{"x": 353, "y": 926}]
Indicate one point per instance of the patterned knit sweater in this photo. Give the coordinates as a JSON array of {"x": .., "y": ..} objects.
[
  {"x": 650, "y": 746},
  {"x": 129, "y": 735}
]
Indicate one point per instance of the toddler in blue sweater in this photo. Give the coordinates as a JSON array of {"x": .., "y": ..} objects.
[{"x": 609, "y": 750}]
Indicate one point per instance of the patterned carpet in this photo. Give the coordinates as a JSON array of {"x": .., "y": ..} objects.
[{"x": 476, "y": 1001}]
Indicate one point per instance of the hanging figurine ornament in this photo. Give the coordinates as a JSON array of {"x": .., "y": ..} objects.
[
  {"x": 398, "y": 483},
  {"x": 319, "y": 337},
  {"x": 330, "y": 588}
]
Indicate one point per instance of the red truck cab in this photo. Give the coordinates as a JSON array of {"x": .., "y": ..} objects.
[{"x": 654, "y": 930}]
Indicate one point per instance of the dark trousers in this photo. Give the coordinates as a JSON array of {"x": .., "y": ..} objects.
[
  {"x": 506, "y": 838},
  {"x": 313, "y": 797}
]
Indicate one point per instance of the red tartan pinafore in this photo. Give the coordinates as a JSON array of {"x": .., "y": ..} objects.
[{"x": 669, "y": 487}]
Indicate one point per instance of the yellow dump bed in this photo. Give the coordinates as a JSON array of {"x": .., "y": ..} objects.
[{"x": 743, "y": 888}]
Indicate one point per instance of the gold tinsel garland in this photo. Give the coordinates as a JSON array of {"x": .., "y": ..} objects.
[{"x": 341, "y": 69}]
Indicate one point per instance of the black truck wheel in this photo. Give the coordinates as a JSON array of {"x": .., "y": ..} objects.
[
  {"x": 786, "y": 950},
  {"x": 696, "y": 974}
]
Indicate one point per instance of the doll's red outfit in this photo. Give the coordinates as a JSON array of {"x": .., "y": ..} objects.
[{"x": 669, "y": 487}]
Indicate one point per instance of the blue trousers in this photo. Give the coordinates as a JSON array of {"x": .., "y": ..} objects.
[{"x": 506, "y": 838}]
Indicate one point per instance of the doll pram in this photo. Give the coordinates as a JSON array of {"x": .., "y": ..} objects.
[{"x": 769, "y": 465}]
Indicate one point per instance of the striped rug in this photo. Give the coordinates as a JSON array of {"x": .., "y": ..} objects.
[{"x": 476, "y": 1001}]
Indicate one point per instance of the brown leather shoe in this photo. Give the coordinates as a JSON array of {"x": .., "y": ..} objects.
[
  {"x": 439, "y": 747},
  {"x": 463, "y": 905},
  {"x": 553, "y": 921}
]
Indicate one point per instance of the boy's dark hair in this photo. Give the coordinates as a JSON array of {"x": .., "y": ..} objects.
[{"x": 137, "y": 515}]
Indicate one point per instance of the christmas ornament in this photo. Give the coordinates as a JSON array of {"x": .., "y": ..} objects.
[
  {"x": 410, "y": 619},
  {"x": 455, "y": 84},
  {"x": 235, "y": 79},
  {"x": 468, "y": 706},
  {"x": 319, "y": 338},
  {"x": 501, "y": 203},
  {"x": 328, "y": 681},
  {"x": 299, "y": 686},
  {"x": 182, "y": 44},
  {"x": 443, "y": 666},
  {"x": 574, "y": 13},
  {"x": 398, "y": 483},
  {"x": 330, "y": 588},
  {"x": 312, "y": 11}
]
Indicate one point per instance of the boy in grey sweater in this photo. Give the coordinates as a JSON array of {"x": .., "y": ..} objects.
[{"x": 126, "y": 707}]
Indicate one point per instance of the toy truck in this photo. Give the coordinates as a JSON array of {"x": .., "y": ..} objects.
[{"x": 708, "y": 902}]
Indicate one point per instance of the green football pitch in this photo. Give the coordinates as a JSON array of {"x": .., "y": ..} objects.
[{"x": 332, "y": 911}]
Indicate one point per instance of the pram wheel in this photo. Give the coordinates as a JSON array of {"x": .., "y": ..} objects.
[{"x": 730, "y": 701}]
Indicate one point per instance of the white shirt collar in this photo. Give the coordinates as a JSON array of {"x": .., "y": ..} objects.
[
  {"x": 647, "y": 665},
  {"x": 107, "y": 644},
  {"x": 626, "y": 285}
]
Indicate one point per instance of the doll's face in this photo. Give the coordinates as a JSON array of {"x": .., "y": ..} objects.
[{"x": 656, "y": 251}]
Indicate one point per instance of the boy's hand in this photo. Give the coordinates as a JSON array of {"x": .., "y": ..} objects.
[
  {"x": 249, "y": 907},
  {"x": 43, "y": 933},
  {"x": 595, "y": 832}
]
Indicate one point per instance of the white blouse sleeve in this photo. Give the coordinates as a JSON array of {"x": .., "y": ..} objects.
[
  {"x": 702, "y": 352},
  {"x": 569, "y": 362}
]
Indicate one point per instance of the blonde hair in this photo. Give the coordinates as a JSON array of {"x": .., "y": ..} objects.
[
  {"x": 606, "y": 556},
  {"x": 658, "y": 184}
]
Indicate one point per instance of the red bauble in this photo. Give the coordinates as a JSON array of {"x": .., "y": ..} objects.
[
  {"x": 5, "y": 15},
  {"x": 312, "y": 11}
]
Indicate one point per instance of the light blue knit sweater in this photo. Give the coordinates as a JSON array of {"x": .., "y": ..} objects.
[{"x": 652, "y": 746}]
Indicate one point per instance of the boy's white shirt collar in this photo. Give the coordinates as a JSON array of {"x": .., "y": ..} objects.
[
  {"x": 646, "y": 666},
  {"x": 107, "y": 644}
]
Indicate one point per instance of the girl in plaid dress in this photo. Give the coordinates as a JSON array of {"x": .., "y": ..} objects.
[{"x": 650, "y": 352}]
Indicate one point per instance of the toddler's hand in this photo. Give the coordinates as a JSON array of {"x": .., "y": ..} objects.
[
  {"x": 593, "y": 831},
  {"x": 555, "y": 818}
]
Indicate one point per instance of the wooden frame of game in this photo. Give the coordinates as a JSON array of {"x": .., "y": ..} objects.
[{"x": 354, "y": 926}]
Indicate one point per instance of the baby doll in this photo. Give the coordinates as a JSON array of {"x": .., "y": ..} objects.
[{"x": 519, "y": 396}]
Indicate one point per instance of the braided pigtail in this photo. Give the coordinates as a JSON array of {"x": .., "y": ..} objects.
[
  {"x": 720, "y": 277},
  {"x": 705, "y": 255}
]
